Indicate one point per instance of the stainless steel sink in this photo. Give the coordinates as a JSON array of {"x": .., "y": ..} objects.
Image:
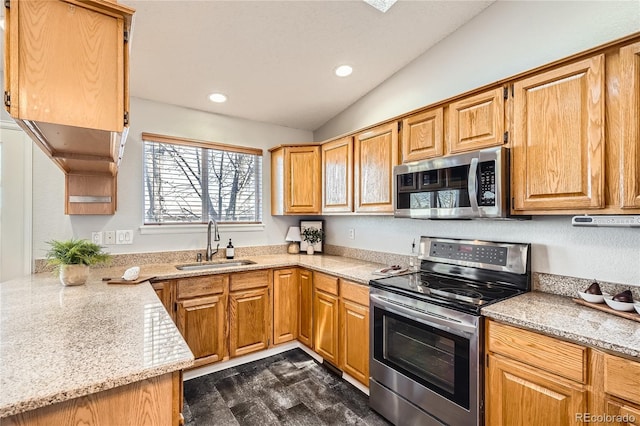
[{"x": 213, "y": 265}]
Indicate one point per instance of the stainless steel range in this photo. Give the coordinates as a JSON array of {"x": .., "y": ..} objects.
[{"x": 427, "y": 333}]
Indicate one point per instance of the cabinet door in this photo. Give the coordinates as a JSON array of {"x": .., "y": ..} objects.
[
  {"x": 249, "y": 319},
  {"x": 376, "y": 152},
  {"x": 302, "y": 184},
  {"x": 305, "y": 334},
  {"x": 202, "y": 322},
  {"x": 325, "y": 326},
  {"x": 477, "y": 121},
  {"x": 337, "y": 176},
  {"x": 630, "y": 81},
  {"x": 354, "y": 340},
  {"x": 521, "y": 395},
  {"x": 67, "y": 64},
  {"x": 165, "y": 292},
  {"x": 423, "y": 135},
  {"x": 621, "y": 413},
  {"x": 558, "y": 140},
  {"x": 285, "y": 305}
]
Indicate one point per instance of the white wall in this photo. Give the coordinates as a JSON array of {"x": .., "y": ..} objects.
[
  {"x": 507, "y": 38},
  {"x": 49, "y": 221}
]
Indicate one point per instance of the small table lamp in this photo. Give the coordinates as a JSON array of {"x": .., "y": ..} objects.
[{"x": 293, "y": 235}]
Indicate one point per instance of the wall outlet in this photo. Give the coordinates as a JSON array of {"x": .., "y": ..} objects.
[
  {"x": 352, "y": 234},
  {"x": 109, "y": 237},
  {"x": 96, "y": 238},
  {"x": 124, "y": 237}
]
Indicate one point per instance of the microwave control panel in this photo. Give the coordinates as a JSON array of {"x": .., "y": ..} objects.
[{"x": 487, "y": 179}]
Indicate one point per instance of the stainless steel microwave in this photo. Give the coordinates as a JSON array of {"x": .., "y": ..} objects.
[{"x": 462, "y": 186}]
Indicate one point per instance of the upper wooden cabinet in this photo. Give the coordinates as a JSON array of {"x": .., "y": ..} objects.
[
  {"x": 66, "y": 85},
  {"x": 295, "y": 179},
  {"x": 337, "y": 176},
  {"x": 376, "y": 152},
  {"x": 423, "y": 135},
  {"x": 477, "y": 121},
  {"x": 630, "y": 147},
  {"x": 558, "y": 138}
]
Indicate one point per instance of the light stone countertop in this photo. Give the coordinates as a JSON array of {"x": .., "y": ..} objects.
[
  {"x": 59, "y": 343},
  {"x": 561, "y": 317}
]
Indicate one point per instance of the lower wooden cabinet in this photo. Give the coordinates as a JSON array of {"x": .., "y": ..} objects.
[
  {"x": 354, "y": 340},
  {"x": 325, "y": 317},
  {"x": 523, "y": 395},
  {"x": 249, "y": 312},
  {"x": 305, "y": 315},
  {"x": 202, "y": 322},
  {"x": 285, "y": 305},
  {"x": 165, "y": 292}
]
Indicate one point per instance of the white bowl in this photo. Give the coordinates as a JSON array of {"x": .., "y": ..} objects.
[
  {"x": 593, "y": 298},
  {"x": 618, "y": 306},
  {"x": 637, "y": 307}
]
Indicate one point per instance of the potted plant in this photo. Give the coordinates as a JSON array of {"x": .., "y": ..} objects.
[
  {"x": 72, "y": 259},
  {"x": 312, "y": 236}
]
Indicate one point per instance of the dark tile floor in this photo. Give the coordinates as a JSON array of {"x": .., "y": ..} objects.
[{"x": 285, "y": 389}]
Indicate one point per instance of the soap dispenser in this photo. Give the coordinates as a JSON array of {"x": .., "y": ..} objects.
[{"x": 230, "y": 250}]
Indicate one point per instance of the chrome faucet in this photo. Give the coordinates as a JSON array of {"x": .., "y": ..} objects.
[{"x": 216, "y": 237}]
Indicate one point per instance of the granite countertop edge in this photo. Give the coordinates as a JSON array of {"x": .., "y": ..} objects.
[{"x": 561, "y": 317}]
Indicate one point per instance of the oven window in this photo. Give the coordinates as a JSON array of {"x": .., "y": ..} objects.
[{"x": 434, "y": 358}]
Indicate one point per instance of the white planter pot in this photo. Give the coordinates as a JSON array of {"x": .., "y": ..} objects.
[
  {"x": 74, "y": 274},
  {"x": 309, "y": 249}
]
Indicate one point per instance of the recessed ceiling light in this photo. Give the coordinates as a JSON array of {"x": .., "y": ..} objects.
[
  {"x": 344, "y": 70},
  {"x": 217, "y": 97},
  {"x": 381, "y": 5}
]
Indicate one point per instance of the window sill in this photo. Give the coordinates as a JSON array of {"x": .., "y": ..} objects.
[{"x": 199, "y": 228}]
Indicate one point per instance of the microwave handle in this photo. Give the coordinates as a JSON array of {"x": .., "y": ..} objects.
[{"x": 472, "y": 184}]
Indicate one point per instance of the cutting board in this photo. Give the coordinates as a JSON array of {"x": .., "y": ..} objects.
[{"x": 140, "y": 279}]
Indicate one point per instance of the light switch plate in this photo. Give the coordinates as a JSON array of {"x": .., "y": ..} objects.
[
  {"x": 124, "y": 236},
  {"x": 110, "y": 237}
]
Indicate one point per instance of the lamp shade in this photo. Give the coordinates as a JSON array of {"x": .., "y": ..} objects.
[{"x": 293, "y": 234}]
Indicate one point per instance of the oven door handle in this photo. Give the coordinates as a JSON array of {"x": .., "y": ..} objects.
[
  {"x": 472, "y": 184},
  {"x": 438, "y": 321}
]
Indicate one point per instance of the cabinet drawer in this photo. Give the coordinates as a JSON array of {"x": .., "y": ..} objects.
[
  {"x": 556, "y": 356},
  {"x": 325, "y": 283},
  {"x": 246, "y": 280},
  {"x": 621, "y": 378},
  {"x": 202, "y": 286},
  {"x": 354, "y": 292}
]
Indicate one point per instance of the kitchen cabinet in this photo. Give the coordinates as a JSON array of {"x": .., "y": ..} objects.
[
  {"x": 630, "y": 150},
  {"x": 154, "y": 401},
  {"x": 305, "y": 314},
  {"x": 558, "y": 138},
  {"x": 285, "y": 305},
  {"x": 376, "y": 152},
  {"x": 337, "y": 176},
  {"x": 619, "y": 390},
  {"x": 66, "y": 85},
  {"x": 423, "y": 135},
  {"x": 295, "y": 179},
  {"x": 531, "y": 377},
  {"x": 165, "y": 292},
  {"x": 325, "y": 317},
  {"x": 201, "y": 314},
  {"x": 477, "y": 121},
  {"x": 354, "y": 330},
  {"x": 249, "y": 312}
]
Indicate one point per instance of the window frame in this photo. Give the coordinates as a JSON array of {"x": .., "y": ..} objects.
[{"x": 195, "y": 226}]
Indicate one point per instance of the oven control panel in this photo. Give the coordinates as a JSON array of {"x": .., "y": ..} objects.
[
  {"x": 497, "y": 256},
  {"x": 466, "y": 252}
]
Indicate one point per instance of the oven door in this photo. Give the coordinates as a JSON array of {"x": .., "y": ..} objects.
[{"x": 430, "y": 359}]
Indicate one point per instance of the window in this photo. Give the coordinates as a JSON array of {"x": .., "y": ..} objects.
[{"x": 187, "y": 181}]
